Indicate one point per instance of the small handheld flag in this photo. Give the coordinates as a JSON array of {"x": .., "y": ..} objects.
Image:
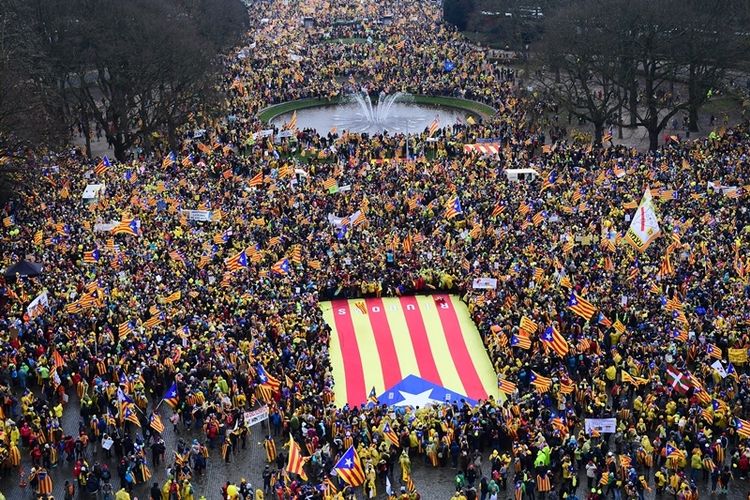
[
  {"x": 349, "y": 468},
  {"x": 171, "y": 397}
]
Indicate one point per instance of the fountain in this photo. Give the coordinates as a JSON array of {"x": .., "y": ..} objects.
[
  {"x": 392, "y": 113},
  {"x": 377, "y": 114}
]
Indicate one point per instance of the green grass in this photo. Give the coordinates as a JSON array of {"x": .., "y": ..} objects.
[
  {"x": 722, "y": 104},
  {"x": 346, "y": 41},
  {"x": 271, "y": 112},
  {"x": 454, "y": 102}
]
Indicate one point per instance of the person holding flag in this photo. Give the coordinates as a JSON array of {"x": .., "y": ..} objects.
[{"x": 349, "y": 468}]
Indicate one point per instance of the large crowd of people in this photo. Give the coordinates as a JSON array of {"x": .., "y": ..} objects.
[{"x": 157, "y": 320}]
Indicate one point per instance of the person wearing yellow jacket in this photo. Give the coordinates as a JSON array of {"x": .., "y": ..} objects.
[
  {"x": 371, "y": 479},
  {"x": 696, "y": 464},
  {"x": 15, "y": 434},
  {"x": 186, "y": 490},
  {"x": 122, "y": 494},
  {"x": 611, "y": 373},
  {"x": 660, "y": 478}
]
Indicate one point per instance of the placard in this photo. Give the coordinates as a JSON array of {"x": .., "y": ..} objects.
[
  {"x": 93, "y": 191},
  {"x": 37, "y": 305},
  {"x": 603, "y": 425},
  {"x": 484, "y": 283},
  {"x": 199, "y": 215},
  {"x": 716, "y": 365},
  {"x": 256, "y": 416},
  {"x": 105, "y": 228},
  {"x": 263, "y": 133}
]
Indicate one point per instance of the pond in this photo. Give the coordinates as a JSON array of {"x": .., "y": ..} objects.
[{"x": 395, "y": 113}]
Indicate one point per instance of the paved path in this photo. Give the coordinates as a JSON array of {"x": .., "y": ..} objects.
[{"x": 432, "y": 483}]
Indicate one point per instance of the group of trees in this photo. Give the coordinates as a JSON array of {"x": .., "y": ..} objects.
[
  {"x": 135, "y": 67},
  {"x": 628, "y": 62},
  {"x": 648, "y": 60}
]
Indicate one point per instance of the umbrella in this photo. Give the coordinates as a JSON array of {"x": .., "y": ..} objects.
[{"x": 22, "y": 269}]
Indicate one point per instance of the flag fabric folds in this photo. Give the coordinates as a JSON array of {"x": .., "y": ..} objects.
[
  {"x": 281, "y": 267},
  {"x": 266, "y": 379},
  {"x": 540, "y": 381},
  {"x": 129, "y": 415},
  {"x": 645, "y": 225},
  {"x": 102, "y": 167},
  {"x": 505, "y": 386},
  {"x": 171, "y": 397},
  {"x": 349, "y": 468},
  {"x": 91, "y": 257},
  {"x": 296, "y": 463},
  {"x": 390, "y": 435},
  {"x": 236, "y": 262},
  {"x": 434, "y": 126},
  {"x": 156, "y": 424},
  {"x": 127, "y": 226},
  {"x": 520, "y": 341},
  {"x": 373, "y": 397},
  {"x": 453, "y": 208},
  {"x": 552, "y": 338},
  {"x": 581, "y": 306},
  {"x": 743, "y": 427}
]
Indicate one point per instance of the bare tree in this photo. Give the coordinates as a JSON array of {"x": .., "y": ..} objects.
[
  {"x": 711, "y": 45},
  {"x": 639, "y": 52},
  {"x": 134, "y": 68},
  {"x": 29, "y": 105},
  {"x": 587, "y": 66}
]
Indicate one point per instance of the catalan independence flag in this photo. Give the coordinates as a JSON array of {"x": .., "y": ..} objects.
[
  {"x": 581, "y": 306},
  {"x": 453, "y": 208},
  {"x": 296, "y": 463},
  {"x": 540, "y": 380},
  {"x": 236, "y": 262},
  {"x": 373, "y": 396},
  {"x": 156, "y": 424},
  {"x": 91, "y": 257},
  {"x": 553, "y": 339},
  {"x": 171, "y": 397},
  {"x": 102, "y": 167},
  {"x": 127, "y": 226},
  {"x": 390, "y": 435},
  {"x": 714, "y": 351},
  {"x": 125, "y": 328},
  {"x": 432, "y": 338},
  {"x": 521, "y": 341},
  {"x": 281, "y": 267},
  {"x": 267, "y": 379},
  {"x": 349, "y": 468},
  {"x": 743, "y": 427},
  {"x": 129, "y": 414},
  {"x": 169, "y": 160},
  {"x": 154, "y": 321}
]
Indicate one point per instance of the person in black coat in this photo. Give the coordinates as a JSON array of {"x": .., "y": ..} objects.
[{"x": 155, "y": 492}]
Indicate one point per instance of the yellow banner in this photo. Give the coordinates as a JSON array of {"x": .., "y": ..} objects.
[{"x": 738, "y": 356}]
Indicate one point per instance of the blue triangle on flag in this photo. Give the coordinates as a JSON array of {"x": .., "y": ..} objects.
[{"x": 416, "y": 391}]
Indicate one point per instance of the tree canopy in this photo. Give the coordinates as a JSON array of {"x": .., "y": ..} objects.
[{"x": 134, "y": 67}]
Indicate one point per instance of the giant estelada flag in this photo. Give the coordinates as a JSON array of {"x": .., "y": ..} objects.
[{"x": 411, "y": 350}]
